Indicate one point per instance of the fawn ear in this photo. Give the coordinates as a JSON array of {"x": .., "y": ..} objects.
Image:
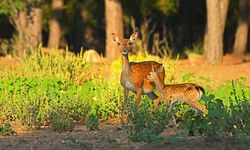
[
  {"x": 153, "y": 69},
  {"x": 133, "y": 37},
  {"x": 160, "y": 69},
  {"x": 115, "y": 37}
]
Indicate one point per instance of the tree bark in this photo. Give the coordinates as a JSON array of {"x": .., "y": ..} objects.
[
  {"x": 214, "y": 40},
  {"x": 34, "y": 27},
  {"x": 240, "y": 43},
  {"x": 55, "y": 32},
  {"x": 114, "y": 24},
  {"x": 28, "y": 25},
  {"x": 20, "y": 24},
  {"x": 216, "y": 18}
]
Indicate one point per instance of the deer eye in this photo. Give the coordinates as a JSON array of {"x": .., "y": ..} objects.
[
  {"x": 119, "y": 44},
  {"x": 130, "y": 43}
]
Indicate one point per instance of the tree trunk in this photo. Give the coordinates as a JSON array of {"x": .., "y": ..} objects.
[
  {"x": 216, "y": 18},
  {"x": 54, "y": 24},
  {"x": 114, "y": 24},
  {"x": 240, "y": 43},
  {"x": 19, "y": 23},
  {"x": 34, "y": 27},
  {"x": 28, "y": 25}
]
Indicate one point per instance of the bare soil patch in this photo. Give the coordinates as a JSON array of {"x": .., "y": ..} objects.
[
  {"x": 232, "y": 68},
  {"x": 111, "y": 136}
]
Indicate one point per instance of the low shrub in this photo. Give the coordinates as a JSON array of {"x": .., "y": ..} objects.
[
  {"x": 6, "y": 129},
  {"x": 222, "y": 118},
  {"x": 61, "y": 121},
  {"x": 146, "y": 124}
]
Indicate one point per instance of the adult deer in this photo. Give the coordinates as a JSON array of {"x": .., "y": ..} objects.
[
  {"x": 186, "y": 92},
  {"x": 134, "y": 74}
]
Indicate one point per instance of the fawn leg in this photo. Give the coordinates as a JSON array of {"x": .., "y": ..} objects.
[
  {"x": 171, "y": 103},
  {"x": 125, "y": 96},
  {"x": 198, "y": 106},
  {"x": 138, "y": 97},
  {"x": 155, "y": 98}
]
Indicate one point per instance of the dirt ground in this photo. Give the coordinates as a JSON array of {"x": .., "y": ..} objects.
[
  {"x": 232, "y": 68},
  {"x": 111, "y": 136}
]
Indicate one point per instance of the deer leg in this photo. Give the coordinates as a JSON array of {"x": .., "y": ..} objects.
[
  {"x": 171, "y": 103},
  {"x": 138, "y": 97},
  {"x": 198, "y": 106},
  {"x": 125, "y": 96},
  {"x": 155, "y": 98}
]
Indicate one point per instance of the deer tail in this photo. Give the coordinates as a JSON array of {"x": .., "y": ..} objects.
[{"x": 200, "y": 90}]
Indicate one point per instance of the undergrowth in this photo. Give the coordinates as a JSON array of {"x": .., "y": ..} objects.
[
  {"x": 146, "y": 124},
  {"x": 59, "y": 90}
]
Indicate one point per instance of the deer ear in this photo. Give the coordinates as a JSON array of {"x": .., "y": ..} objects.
[
  {"x": 153, "y": 69},
  {"x": 160, "y": 69},
  {"x": 115, "y": 37},
  {"x": 133, "y": 37}
]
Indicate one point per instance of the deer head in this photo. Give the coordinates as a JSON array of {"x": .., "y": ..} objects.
[
  {"x": 154, "y": 73},
  {"x": 125, "y": 44}
]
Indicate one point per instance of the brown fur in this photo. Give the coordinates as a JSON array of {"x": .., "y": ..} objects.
[
  {"x": 186, "y": 92},
  {"x": 134, "y": 74}
]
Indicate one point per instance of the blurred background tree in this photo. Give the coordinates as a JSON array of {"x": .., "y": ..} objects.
[
  {"x": 114, "y": 24},
  {"x": 25, "y": 17},
  {"x": 241, "y": 35},
  {"x": 55, "y": 28},
  {"x": 166, "y": 27}
]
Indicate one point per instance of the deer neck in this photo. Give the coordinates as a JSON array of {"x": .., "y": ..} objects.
[
  {"x": 125, "y": 66},
  {"x": 159, "y": 83}
]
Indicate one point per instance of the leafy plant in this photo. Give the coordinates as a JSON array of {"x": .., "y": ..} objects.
[
  {"x": 5, "y": 129},
  {"x": 222, "y": 118},
  {"x": 61, "y": 122},
  {"x": 93, "y": 122},
  {"x": 63, "y": 66},
  {"x": 146, "y": 125}
]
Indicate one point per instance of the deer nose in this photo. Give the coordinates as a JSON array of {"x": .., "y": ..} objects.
[{"x": 124, "y": 50}]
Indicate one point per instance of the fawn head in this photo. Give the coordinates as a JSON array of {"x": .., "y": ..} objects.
[
  {"x": 125, "y": 44},
  {"x": 154, "y": 73}
]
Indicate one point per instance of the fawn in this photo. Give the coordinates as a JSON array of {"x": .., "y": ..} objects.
[
  {"x": 134, "y": 74},
  {"x": 186, "y": 92}
]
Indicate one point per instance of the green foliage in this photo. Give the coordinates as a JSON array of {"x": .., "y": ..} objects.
[
  {"x": 11, "y": 7},
  {"x": 58, "y": 89},
  {"x": 146, "y": 123},
  {"x": 43, "y": 84},
  {"x": 64, "y": 66},
  {"x": 60, "y": 121},
  {"x": 5, "y": 129},
  {"x": 166, "y": 6},
  {"x": 223, "y": 118},
  {"x": 30, "y": 99},
  {"x": 93, "y": 122},
  {"x": 232, "y": 90},
  {"x": 104, "y": 98},
  {"x": 146, "y": 8}
]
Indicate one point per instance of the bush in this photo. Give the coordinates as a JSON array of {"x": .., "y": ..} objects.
[
  {"x": 31, "y": 99},
  {"x": 61, "y": 121},
  {"x": 63, "y": 66},
  {"x": 5, "y": 129},
  {"x": 222, "y": 118},
  {"x": 146, "y": 124},
  {"x": 93, "y": 122}
]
